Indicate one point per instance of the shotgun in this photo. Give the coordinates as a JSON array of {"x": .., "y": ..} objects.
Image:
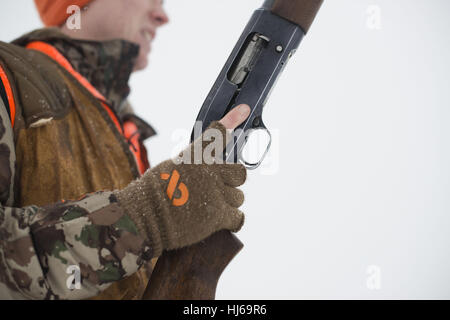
[{"x": 272, "y": 35}]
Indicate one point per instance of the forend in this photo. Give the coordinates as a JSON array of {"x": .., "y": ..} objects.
[{"x": 300, "y": 12}]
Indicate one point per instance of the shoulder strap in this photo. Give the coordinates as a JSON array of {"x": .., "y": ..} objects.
[
  {"x": 54, "y": 54},
  {"x": 7, "y": 95}
]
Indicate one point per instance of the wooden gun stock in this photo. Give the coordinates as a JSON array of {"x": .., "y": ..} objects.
[{"x": 192, "y": 273}]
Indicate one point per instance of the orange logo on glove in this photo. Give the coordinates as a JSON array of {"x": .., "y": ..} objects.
[{"x": 174, "y": 178}]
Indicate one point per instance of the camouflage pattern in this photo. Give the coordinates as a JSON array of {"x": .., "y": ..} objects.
[
  {"x": 38, "y": 245},
  {"x": 39, "y": 242},
  {"x": 7, "y": 158}
]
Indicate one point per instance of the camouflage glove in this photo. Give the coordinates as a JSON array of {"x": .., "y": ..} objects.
[{"x": 176, "y": 205}]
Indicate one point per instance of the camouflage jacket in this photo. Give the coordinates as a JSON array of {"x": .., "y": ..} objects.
[{"x": 63, "y": 146}]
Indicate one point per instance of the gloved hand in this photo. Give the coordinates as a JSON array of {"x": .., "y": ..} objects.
[{"x": 178, "y": 204}]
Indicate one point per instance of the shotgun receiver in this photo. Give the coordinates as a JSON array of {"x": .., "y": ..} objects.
[
  {"x": 249, "y": 75},
  {"x": 272, "y": 35}
]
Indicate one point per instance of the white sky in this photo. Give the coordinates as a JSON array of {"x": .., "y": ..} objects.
[{"x": 359, "y": 175}]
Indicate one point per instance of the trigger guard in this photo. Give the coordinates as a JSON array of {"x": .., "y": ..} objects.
[{"x": 253, "y": 166}]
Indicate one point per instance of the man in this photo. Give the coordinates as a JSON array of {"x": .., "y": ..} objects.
[{"x": 75, "y": 188}]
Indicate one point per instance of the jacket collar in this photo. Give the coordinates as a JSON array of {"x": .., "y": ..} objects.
[{"x": 107, "y": 65}]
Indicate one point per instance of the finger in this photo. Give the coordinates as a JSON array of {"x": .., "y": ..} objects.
[
  {"x": 234, "y": 220},
  {"x": 233, "y": 175},
  {"x": 236, "y": 116},
  {"x": 234, "y": 197},
  {"x": 207, "y": 148}
]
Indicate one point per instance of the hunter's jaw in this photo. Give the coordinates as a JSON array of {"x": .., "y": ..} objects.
[
  {"x": 144, "y": 39},
  {"x": 148, "y": 35}
]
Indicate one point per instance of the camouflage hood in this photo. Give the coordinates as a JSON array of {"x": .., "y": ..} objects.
[{"x": 107, "y": 65}]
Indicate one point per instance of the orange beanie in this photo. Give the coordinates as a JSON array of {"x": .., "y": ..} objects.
[{"x": 54, "y": 12}]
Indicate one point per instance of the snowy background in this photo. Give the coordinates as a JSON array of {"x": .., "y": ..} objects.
[{"x": 354, "y": 198}]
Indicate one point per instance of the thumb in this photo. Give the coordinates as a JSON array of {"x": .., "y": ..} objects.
[{"x": 236, "y": 116}]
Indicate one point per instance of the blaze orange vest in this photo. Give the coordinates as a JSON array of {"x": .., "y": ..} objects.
[{"x": 129, "y": 130}]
